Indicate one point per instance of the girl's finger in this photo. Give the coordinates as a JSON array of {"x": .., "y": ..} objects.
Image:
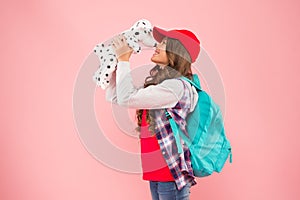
[
  {"x": 123, "y": 39},
  {"x": 120, "y": 39},
  {"x": 115, "y": 41}
]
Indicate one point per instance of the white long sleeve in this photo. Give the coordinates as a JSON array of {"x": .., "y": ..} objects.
[{"x": 163, "y": 95}]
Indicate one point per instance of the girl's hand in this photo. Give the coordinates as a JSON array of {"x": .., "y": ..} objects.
[{"x": 122, "y": 50}]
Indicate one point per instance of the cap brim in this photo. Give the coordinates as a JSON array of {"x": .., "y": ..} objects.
[{"x": 159, "y": 34}]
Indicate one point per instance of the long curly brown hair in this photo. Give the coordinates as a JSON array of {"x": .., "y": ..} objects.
[{"x": 179, "y": 65}]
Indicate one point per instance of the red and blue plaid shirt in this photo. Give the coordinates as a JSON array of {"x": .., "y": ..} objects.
[{"x": 179, "y": 164}]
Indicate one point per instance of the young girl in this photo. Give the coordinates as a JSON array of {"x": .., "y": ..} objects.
[{"x": 169, "y": 173}]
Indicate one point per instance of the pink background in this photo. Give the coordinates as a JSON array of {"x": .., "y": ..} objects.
[{"x": 255, "y": 45}]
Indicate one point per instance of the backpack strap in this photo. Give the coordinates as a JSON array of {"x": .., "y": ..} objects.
[
  {"x": 195, "y": 82},
  {"x": 177, "y": 133}
]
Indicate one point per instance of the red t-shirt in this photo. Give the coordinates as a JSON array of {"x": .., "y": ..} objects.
[{"x": 154, "y": 166}]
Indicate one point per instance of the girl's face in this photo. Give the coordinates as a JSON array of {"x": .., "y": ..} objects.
[{"x": 160, "y": 55}]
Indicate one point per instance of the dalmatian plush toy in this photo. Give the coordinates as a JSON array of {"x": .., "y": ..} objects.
[{"x": 141, "y": 31}]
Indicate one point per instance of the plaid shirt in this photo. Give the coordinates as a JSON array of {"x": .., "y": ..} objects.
[{"x": 179, "y": 164}]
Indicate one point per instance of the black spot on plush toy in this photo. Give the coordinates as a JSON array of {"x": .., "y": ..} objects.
[{"x": 141, "y": 31}]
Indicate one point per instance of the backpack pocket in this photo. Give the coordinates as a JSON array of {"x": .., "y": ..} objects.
[{"x": 202, "y": 166}]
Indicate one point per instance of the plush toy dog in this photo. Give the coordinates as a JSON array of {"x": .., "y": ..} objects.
[{"x": 141, "y": 31}]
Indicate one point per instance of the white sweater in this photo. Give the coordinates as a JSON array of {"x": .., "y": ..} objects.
[{"x": 164, "y": 95}]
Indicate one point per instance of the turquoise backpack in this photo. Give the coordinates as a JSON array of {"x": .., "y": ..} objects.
[{"x": 207, "y": 141}]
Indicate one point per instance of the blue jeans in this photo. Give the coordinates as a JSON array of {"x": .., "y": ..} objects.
[{"x": 168, "y": 191}]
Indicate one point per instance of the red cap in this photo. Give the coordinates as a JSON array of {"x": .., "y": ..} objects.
[{"x": 186, "y": 37}]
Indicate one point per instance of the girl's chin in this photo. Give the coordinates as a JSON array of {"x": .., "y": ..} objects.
[
  {"x": 159, "y": 60},
  {"x": 155, "y": 59}
]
